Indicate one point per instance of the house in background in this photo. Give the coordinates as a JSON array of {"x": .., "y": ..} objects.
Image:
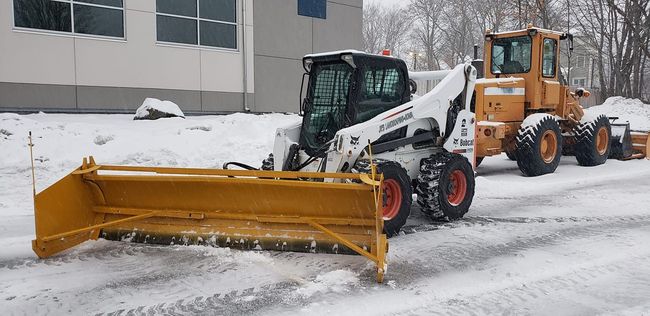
[
  {"x": 583, "y": 66},
  {"x": 584, "y": 72},
  {"x": 109, "y": 55}
]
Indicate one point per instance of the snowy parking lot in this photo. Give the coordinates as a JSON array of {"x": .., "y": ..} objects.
[{"x": 571, "y": 242}]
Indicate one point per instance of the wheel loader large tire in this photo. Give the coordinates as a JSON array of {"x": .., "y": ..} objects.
[
  {"x": 397, "y": 192},
  {"x": 593, "y": 141},
  {"x": 445, "y": 186},
  {"x": 511, "y": 155},
  {"x": 539, "y": 145},
  {"x": 267, "y": 164}
]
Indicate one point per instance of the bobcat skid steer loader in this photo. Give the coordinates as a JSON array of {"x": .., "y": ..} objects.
[
  {"x": 356, "y": 104},
  {"x": 320, "y": 191}
]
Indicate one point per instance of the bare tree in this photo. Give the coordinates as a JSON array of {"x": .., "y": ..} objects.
[
  {"x": 396, "y": 25},
  {"x": 426, "y": 30},
  {"x": 619, "y": 31},
  {"x": 443, "y": 33},
  {"x": 385, "y": 28},
  {"x": 372, "y": 27}
]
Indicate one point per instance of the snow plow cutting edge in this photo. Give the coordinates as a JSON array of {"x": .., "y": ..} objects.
[{"x": 259, "y": 210}]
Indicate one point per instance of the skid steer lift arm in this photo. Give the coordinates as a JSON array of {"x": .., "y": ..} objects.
[
  {"x": 457, "y": 85},
  {"x": 241, "y": 209}
]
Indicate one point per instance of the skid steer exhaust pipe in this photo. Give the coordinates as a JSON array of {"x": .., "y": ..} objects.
[{"x": 242, "y": 209}]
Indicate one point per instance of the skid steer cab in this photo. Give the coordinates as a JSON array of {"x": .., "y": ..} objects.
[
  {"x": 360, "y": 110},
  {"x": 526, "y": 109}
]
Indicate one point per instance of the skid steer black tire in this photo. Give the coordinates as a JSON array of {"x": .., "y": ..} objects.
[
  {"x": 397, "y": 192},
  {"x": 445, "y": 186},
  {"x": 593, "y": 141},
  {"x": 267, "y": 164},
  {"x": 539, "y": 147}
]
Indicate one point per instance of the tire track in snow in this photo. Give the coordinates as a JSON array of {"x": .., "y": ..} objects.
[
  {"x": 633, "y": 273},
  {"x": 410, "y": 263}
]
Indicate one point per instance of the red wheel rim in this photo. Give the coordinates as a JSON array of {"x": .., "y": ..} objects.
[
  {"x": 457, "y": 188},
  {"x": 392, "y": 198}
]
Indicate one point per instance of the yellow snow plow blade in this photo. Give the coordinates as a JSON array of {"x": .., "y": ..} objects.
[{"x": 263, "y": 210}]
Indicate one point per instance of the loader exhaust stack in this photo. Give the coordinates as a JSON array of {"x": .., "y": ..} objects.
[{"x": 242, "y": 209}]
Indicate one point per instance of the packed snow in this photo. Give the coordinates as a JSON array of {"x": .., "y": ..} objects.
[{"x": 571, "y": 242}]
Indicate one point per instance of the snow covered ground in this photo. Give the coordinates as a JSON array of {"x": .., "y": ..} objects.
[{"x": 572, "y": 242}]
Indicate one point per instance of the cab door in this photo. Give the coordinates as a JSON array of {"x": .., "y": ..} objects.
[{"x": 549, "y": 72}]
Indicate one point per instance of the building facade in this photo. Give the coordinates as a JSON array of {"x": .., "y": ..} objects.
[{"x": 109, "y": 55}]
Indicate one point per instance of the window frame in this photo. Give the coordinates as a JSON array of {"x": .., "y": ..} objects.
[
  {"x": 198, "y": 20},
  {"x": 555, "y": 59},
  {"x": 573, "y": 80},
  {"x": 530, "y": 58},
  {"x": 72, "y": 32}
]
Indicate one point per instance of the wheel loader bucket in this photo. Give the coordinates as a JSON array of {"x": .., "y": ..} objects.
[
  {"x": 641, "y": 143},
  {"x": 628, "y": 144},
  {"x": 260, "y": 210}
]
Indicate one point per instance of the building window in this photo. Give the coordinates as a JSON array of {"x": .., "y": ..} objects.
[
  {"x": 210, "y": 23},
  {"x": 313, "y": 8},
  {"x": 549, "y": 57},
  {"x": 87, "y": 17},
  {"x": 580, "y": 82},
  {"x": 580, "y": 61}
]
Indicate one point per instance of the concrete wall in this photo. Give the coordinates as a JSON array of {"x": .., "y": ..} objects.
[
  {"x": 62, "y": 72},
  {"x": 282, "y": 38}
]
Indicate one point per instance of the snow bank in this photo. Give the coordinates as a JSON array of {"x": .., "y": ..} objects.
[
  {"x": 630, "y": 110},
  {"x": 62, "y": 140},
  {"x": 153, "y": 109}
]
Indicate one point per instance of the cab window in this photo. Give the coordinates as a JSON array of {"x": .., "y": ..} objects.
[
  {"x": 549, "y": 57},
  {"x": 511, "y": 55},
  {"x": 381, "y": 90}
]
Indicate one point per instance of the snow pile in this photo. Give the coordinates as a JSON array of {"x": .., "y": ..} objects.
[
  {"x": 153, "y": 109},
  {"x": 334, "y": 281},
  {"x": 630, "y": 110}
]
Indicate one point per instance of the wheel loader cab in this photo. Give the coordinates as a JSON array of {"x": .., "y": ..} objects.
[
  {"x": 532, "y": 55},
  {"x": 348, "y": 88},
  {"x": 526, "y": 111}
]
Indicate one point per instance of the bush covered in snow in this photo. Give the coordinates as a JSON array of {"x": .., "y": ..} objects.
[
  {"x": 630, "y": 110},
  {"x": 153, "y": 109}
]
